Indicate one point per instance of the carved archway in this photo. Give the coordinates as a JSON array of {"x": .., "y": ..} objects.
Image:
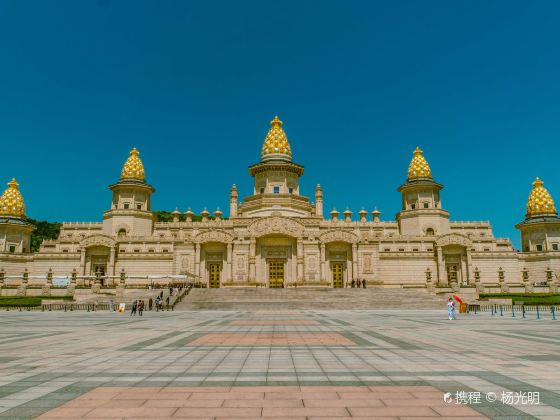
[
  {"x": 454, "y": 239},
  {"x": 213, "y": 236},
  {"x": 97, "y": 240},
  {"x": 338, "y": 236},
  {"x": 276, "y": 226}
]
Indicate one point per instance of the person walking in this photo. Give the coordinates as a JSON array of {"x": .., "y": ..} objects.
[
  {"x": 353, "y": 283},
  {"x": 167, "y": 302},
  {"x": 158, "y": 302},
  {"x": 359, "y": 283},
  {"x": 364, "y": 283},
  {"x": 150, "y": 303},
  {"x": 140, "y": 307},
  {"x": 133, "y": 308},
  {"x": 451, "y": 309}
]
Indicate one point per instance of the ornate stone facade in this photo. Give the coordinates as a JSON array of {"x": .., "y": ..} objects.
[{"x": 277, "y": 237}]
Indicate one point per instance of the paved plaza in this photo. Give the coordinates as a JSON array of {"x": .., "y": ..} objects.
[{"x": 296, "y": 364}]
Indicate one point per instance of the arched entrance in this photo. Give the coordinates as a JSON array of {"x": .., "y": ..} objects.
[{"x": 339, "y": 257}]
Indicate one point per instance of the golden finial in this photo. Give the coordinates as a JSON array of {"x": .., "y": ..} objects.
[
  {"x": 11, "y": 201},
  {"x": 133, "y": 167},
  {"x": 276, "y": 142},
  {"x": 419, "y": 167},
  {"x": 540, "y": 203}
]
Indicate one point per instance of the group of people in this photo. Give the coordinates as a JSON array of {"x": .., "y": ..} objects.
[
  {"x": 137, "y": 306},
  {"x": 358, "y": 283}
]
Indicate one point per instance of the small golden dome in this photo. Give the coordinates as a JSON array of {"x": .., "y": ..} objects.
[
  {"x": 133, "y": 168},
  {"x": 540, "y": 203},
  {"x": 11, "y": 202},
  {"x": 419, "y": 167},
  {"x": 276, "y": 142}
]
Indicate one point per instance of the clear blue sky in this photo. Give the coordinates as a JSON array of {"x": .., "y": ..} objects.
[{"x": 193, "y": 85}]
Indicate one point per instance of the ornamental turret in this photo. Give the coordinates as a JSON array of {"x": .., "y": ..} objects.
[
  {"x": 540, "y": 231},
  {"x": 15, "y": 231},
  {"x": 421, "y": 211},
  {"x": 131, "y": 206},
  {"x": 276, "y": 180}
]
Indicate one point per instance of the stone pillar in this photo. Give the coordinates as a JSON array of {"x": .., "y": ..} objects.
[
  {"x": 229, "y": 264},
  {"x": 47, "y": 287},
  {"x": 464, "y": 270},
  {"x": 2, "y": 277},
  {"x": 322, "y": 263},
  {"x": 83, "y": 262},
  {"x": 72, "y": 286},
  {"x": 197, "y": 262},
  {"x": 469, "y": 266},
  {"x": 111, "y": 271},
  {"x": 299, "y": 260},
  {"x": 442, "y": 277},
  {"x": 429, "y": 282},
  {"x": 97, "y": 285},
  {"x": 355, "y": 261},
  {"x": 22, "y": 289},
  {"x": 502, "y": 280},
  {"x": 233, "y": 201},
  {"x": 318, "y": 201},
  {"x": 252, "y": 258}
]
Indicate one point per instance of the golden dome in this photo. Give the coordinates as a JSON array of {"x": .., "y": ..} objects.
[
  {"x": 11, "y": 202},
  {"x": 419, "y": 167},
  {"x": 540, "y": 202},
  {"x": 133, "y": 168},
  {"x": 276, "y": 142}
]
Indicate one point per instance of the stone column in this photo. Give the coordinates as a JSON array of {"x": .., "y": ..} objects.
[
  {"x": 111, "y": 271},
  {"x": 252, "y": 258},
  {"x": 355, "y": 261},
  {"x": 229, "y": 272},
  {"x": 464, "y": 270},
  {"x": 299, "y": 250},
  {"x": 442, "y": 277},
  {"x": 322, "y": 263},
  {"x": 469, "y": 266},
  {"x": 197, "y": 262},
  {"x": 83, "y": 262}
]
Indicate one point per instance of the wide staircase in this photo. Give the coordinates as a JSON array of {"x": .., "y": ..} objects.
[{"x": 310, "y": 298}]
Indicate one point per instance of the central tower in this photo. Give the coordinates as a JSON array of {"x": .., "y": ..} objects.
[{"x": 276, "y": 179}]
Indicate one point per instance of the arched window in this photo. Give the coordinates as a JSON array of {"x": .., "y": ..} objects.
[
  {"x": 430, "y": 232},
  {"x": 121, "y": 233}
]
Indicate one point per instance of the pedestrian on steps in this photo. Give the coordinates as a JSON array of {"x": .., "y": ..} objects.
[{"x": 133, "y": 309}]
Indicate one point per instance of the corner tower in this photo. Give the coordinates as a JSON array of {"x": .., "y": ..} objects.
[
  {"x": 540, "y": 231},
  {"x": 130, "y": 213},
  {"x": 15, "y": 231},
  {"x": 276, "y": 179},
  {"x": 421, "y": 212}
]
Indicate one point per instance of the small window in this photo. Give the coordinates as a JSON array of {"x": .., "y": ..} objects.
[
  {"x": 413, "y": 206},
  {"x": 122, "y": 251},
  {"x": 150, "y": 250},
  {"x": 387, "y": 250},
  {"x": 430, "y": 232},
  {"x": 121, "y": 233},
  {"x": 276, "y": 189},
  {"x": 138, "y": 206},
  {"x": 290, "y": 190},
  {"x": 555, "y": 247},
  {"x": 165, "y": 250},
  {"x": 126, "y": 205},
  {"x": 429, "y": 250},
  {"x": 401, "y": 249},
  {"x": 136, "y": 250},
  {"x": 486, "y": 249},
  {"x": 426, "y": 205},
  {"x": 262, "y": 190},
  {"x": 64, "y": 250},
  {"x": 415, "y": 249},
  {"x": 539, "y": 247},
  {"x": 12, "y": 248}
]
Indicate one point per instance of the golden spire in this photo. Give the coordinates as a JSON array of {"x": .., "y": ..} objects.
[
  {"x": 418, "y": 167},
  {"x": 276, "y": 142},
  {"x": 11, "y": 202},
  {"x": 540, "y": 203},
  {"x": 133, "y": 168}
]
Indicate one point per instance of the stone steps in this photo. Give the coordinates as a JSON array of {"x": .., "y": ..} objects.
[{"x": 308, "y": 298}]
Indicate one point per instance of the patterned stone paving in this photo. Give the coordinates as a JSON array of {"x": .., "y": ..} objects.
[{"x": 274, "y": 364}]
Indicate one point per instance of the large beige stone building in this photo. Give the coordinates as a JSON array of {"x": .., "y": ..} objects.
[{"x": 277, "y": 237}]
